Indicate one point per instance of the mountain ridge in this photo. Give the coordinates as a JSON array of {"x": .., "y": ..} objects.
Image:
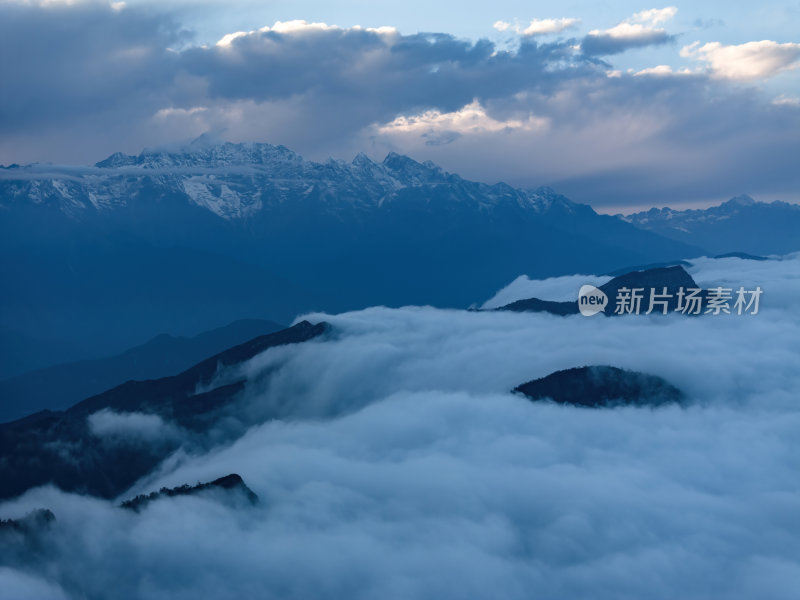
[
  {"x": 728, "y": 227},
  {"x": 59, "y": 386},
  {"x": 195, "y": 168},
  {"x": 76, "y": 453},
  {"x": 256, "y": 231}
]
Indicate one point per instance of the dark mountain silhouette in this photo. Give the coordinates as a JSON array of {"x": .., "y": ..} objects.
[
  {"x": 673, "y": 278},
  {"x": 61, "y": 386},
  {"x": 229, "y": 484},
  {"x": 24, "y": 539},
  {"x": 601, "y": 386},
  {"x": 537, "y": 305},
  {"x": 742, "y": 255},
  {"x": 33, "y": 521},
  {"x": 60, "y": 447}
]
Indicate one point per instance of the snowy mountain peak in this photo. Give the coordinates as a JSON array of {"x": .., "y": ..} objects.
[
  {"x": 116, "y": 160},
  {"x": 726, "y": 228},
  {"x": 362, "y": 159},
  {"x": 547, "y": 199},
  {"x": 240, "y": 180},
  {"x": 410, "y": 172},
  {"x": 205, "y": 152},
  {"x": 206, "y": 140},
  {"x": 741, "y": 200}
]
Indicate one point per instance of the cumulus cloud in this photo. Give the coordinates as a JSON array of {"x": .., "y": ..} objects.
[
  {"x": 436, "y": 126},
  {"x": 298, "y": 26},
  {"x": 381, "y": 71},
  {"x": 662, "y": 70},
  {"x": 639, "y": 30},
  {"x": 539, "y": 26},
  {"x": 749, "y": 61},
  {"x": 653, "y": 16},
  {"x": 397, "y": 464}
]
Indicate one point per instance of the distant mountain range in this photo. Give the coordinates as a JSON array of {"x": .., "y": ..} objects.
[
  {"x": 98, "y": 259},
  {"x": 739, "y": 225},
  {"x": 61, "y": 386}
]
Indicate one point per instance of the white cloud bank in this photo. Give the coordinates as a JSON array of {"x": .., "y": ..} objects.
[
  {"x": 749, "y": 61},
  {"x": 639, "y": 25},
  {"x": 21, "y": 586},
  {"x": 557, "y": 289},
  {"x": 538, "y": 26},
  {"x": 401, "y": 467},
  {"x": 661, "y": 71},
  {"x": 438, "y": 128},
  {"x": 299, "y": 27},
  {"x": 640, "y": 29}
]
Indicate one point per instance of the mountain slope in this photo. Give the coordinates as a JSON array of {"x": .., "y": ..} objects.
[
  {"x": 60, "y": 386},
  {"x": 739, "y": 225},
  {"x": 105, "y": 454},
  {"x": 96, "y": 293}
]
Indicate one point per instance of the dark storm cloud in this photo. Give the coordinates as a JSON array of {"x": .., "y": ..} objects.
[
  {"x": 61, "y": 63},
  {"x": 378, "y": 75},
  {"x": 89, "y": 80},
  {"x": 604, "y": 44},
  {"x": 631, "y": 140},
  {"x": 702, "y": 141}
]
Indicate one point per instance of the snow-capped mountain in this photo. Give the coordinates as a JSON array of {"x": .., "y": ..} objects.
[
  {"x": 184, "y": 240},
  {"x": 236, "y": 181},
  {"x": 739, "y": 225}
]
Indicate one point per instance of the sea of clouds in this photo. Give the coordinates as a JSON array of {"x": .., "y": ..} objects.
[{"x": 392, "y": 461}]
